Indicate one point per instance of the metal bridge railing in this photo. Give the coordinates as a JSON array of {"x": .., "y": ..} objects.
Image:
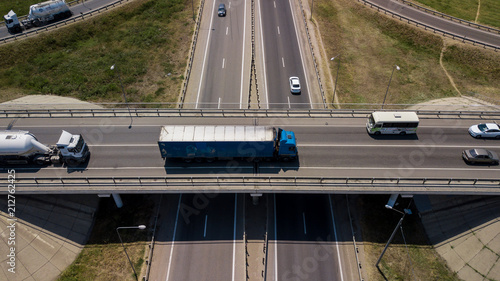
[
  {"x": 464, "y": 39},
  {"x": 259, "y": 184},
  {"x": 235, "y": 113}
]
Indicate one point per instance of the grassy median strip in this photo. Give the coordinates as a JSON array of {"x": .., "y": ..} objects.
[
  {"x": 148, "y": 40},
  {"x": 103, "y": 258}
]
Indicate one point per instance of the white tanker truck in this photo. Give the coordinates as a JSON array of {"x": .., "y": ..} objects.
[
  {"x": 40, "y": 14},
  {"x": 22, "y": 147}
]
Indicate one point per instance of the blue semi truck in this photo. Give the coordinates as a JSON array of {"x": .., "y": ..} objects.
[{"x": 210, "y": 143}]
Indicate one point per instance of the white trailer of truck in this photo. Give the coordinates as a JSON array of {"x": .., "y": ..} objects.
[{"x": 22, "y": 147}]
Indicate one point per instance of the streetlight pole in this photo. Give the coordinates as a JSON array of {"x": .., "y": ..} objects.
[
  {"x": 406, "y": 211},
  {"x": 387, "y": 91},
  {"x": 124, "y": 249},
  {"x": 312, "y": 6},
  {"x": 192, "y": 5},
  {"x": 124, "y": 95},
  {"x": 337, "y": 76}
]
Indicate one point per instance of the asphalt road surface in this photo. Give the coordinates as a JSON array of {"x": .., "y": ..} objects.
[
  {"x": 440, "y": 23},
  {"x": 327, "y": 147}
]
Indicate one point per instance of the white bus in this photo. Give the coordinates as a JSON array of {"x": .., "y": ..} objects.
[{"x": 392, "y": 123}]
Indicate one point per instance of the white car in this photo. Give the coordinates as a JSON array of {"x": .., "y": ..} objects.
[
  {"x": 294, "y": 85},
  {"x": 485, "y": 130}
]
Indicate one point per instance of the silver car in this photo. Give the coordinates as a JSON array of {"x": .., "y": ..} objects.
[
  {"x": 485, "y": 130},
  {"x": 294, "y": 85},
  {"x": 480, "y": 155}
]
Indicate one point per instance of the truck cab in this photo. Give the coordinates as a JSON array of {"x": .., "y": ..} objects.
[
  {"x": 12, "y": 22},
  {"x": 72, "y": 147},
  {"x": 287, "y": 148}
]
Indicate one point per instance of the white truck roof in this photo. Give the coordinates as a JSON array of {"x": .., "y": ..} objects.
[
  {"x": 9, "y": 15},
  {"x": 181, "y": 133},
  {"x": 65, "y": 139},
  {"x": 404, "y": 116}
]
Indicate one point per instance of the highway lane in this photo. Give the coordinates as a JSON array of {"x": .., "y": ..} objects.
[
  {"x": 440, "y": 23},
  {"x": 306, "y": 237},
  {"x": 222, "y": 82},
  {"x": 208, "y": 242},
  {"x": 341, "y": 148},
  {"x": 283, "y": 57}
]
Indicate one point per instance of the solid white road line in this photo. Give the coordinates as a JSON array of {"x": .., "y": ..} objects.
[
  {"x": 264, "y": 58},
  {"x": 173, "y": 237},
  {"x": 275, "y": 242},
  {"x": 336, "y": 239},
  {"x": 304, "y": 219},
  {"x": 205, "y": 56},
  {"x": 243, "y": 53},
  {"x": 205, "y": 229},
  {"x": 265, "y": 168},
  {"x": 300, "y": 51},
  {"x": 234, "y": 234}
]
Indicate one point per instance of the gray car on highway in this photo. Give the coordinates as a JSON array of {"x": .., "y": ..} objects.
[{"x": 480, "y": 156}]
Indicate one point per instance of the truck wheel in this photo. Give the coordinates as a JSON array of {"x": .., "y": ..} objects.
[
  {"x": 39, "y": 161},
  {"x": 377, "y": 133}
]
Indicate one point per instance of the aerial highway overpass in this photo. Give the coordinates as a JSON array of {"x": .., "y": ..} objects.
[{"x": 335, "y": 155}]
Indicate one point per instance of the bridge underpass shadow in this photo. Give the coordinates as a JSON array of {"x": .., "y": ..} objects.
[
  {"x": 435, "y": 219},
  {"x": 49, "y": 231}
]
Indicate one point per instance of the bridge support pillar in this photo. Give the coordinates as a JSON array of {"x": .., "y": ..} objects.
[
  {"x": 255, "y": 198},
  {"x": 118, "y": 200}
]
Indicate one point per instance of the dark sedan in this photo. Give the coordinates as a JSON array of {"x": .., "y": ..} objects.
[{"x": 480, "y": 156}]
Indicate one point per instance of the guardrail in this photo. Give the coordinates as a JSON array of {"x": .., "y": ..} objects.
[
  {"x": 311, "y": 49},
  {"x": 234, "y": 113},
  {"x": 425, "y": 26},
  {"x": 260, "y": 184},
  {"x": 461, "y": 21},
  {"x": 73, "y": 19},
  {"x": 189, "y": 67}
]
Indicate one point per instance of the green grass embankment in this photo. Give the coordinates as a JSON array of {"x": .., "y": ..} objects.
[
  {"x": 148, "y": 40},
  {"x": 370, "y": 45}
]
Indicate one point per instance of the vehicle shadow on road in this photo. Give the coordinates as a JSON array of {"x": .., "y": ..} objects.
[{"x": 395, "y": 137}]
